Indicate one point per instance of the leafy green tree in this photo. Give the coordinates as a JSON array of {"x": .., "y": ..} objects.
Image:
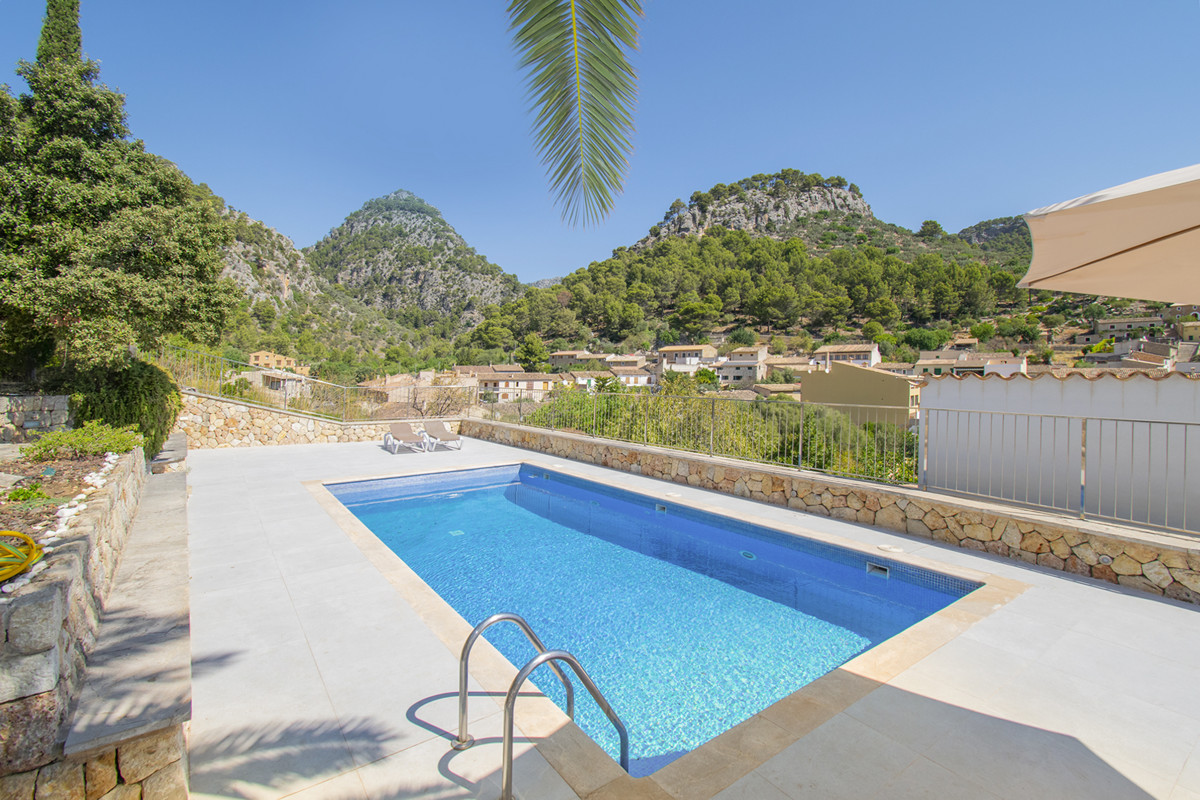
[
  {"x": 920, "y": 339},
  {"x": 61, "y": 37},
  {"x": 931, "y": 229},
  {"x": 531, "y": 354},
  {"x": 695, "y": 317},
  {"x": 871, "y": 330},
  {"x": 103, "y": 246},
  {"x": 265, "y": 312}
]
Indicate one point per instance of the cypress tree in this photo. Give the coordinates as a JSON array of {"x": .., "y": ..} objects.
[{"x": 60, "y": 32}]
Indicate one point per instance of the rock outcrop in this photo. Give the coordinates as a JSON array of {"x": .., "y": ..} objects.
[
  {"x": 759, "y": 212},
  {"x": 398, "y": 251}
]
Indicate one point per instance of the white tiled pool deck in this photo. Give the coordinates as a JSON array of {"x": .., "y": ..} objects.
[{"x": 314, "y": 677}]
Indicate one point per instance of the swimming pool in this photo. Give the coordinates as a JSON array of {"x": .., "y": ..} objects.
[{"x": 689, "y": 622}]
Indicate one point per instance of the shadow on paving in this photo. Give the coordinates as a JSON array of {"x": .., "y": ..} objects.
[
  {"x": 283, "y": 757},
  {"x": 898, "y": 744}
]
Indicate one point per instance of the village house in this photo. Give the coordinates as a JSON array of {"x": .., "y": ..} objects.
[
  {"x": 793, "y": 364},
  {"x": 865, "y": 355},
  {"x": 565, "y": 359},
  {"x": 744, "y": 366},
  {"x": 1182, "y": 311},
  {"x": 953, "y": 362},
  {"x": 635, "y": 360},
  {"x": 634, "y": 377},
  {"x": 533, "y": 386},
  {"x": 265, "y": 359},
  {"x": 687, "y": 358}
]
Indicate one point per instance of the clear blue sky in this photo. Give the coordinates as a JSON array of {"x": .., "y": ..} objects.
[{"x": 297, "y": 112}]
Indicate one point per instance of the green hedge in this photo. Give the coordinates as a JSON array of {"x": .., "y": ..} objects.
[{"x": 142, "y": 395}]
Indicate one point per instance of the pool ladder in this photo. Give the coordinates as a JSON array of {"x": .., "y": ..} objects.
[{"x": 544, "y": 656}]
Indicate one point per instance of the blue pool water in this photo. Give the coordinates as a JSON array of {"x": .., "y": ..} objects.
[{"x": 688, "y": 622}]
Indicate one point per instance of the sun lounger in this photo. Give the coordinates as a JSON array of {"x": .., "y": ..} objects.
[
  {"x": 402, "y": 434},
  {"x": 439, "y": 433}
]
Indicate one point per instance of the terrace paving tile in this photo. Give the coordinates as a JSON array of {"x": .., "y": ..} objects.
[
  {"x": 752, "y": 787},
  {"x": 432, "y": 770},
  {"x": 1189, "y": 778},
  {"x": 347, "y": 786},
  {"x": 818, "y": 766},
  {"x": 925, "y": 780},
  {"x": 311, "y": 674}
]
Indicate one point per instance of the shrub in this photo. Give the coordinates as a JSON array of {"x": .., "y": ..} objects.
[
  {"x": 742, "y": 336},
  {"x": 238, "y": 388},
  {"x": 26, "y": 493},
  {"x": 92, "y": 439},
  {"x": 140, "y": 395}
]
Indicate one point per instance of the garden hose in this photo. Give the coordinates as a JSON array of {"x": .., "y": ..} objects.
[{"x": 16, "y": 558}]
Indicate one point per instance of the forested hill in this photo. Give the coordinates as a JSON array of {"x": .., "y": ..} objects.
[
  {"x": 398, "y": 254},
  {"x": 830, "y": 213},
  {"x": 794, "y": 254}
]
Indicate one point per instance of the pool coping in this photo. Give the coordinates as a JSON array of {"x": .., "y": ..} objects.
[{"x": 718, "y": 763}]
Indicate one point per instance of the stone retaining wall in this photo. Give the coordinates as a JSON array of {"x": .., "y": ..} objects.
[
  {"x": 150, "y": 767},
  {"x": 25, "y": 417},
  {"x": 209, "y": 422},
  {"x": 49, "y": 624},
  {"x": 1157, "y": 563}
]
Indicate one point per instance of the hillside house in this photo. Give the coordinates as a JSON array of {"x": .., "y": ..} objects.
[
  {"x": 1125, "y": 324},
  {"x": 864, "y": 355},
  {"x": 532, "y": 386},
  {"x": 265, "y": 359},
  {"x": 687, "y": 358},
  {"x": 1182, "y": 311},
  {"x": 744, "y": 366},
  {"x": 951, "y": 362},
  {"x": 634, "y": 377},
  {"x": 793, "y": 364},
  {"x": 634, "y": 361},
  {"x": 565, "y": 359}
]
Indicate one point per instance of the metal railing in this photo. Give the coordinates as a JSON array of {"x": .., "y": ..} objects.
[
  {"x": 862, "y": 441},
  {"x": 1120, "y": 470},
  {"x": 464, "y": 740},
  {"x": 288, "y": 391}
]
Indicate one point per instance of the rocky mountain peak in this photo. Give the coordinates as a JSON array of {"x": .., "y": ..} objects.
[
  {"x": 398, "y": 251},
  {"x": 763, "y": 205}
]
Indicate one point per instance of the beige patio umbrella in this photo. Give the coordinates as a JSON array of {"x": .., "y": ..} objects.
[{"x": 1140, "y": 240}]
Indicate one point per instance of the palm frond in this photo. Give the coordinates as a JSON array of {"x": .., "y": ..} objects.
[{"x": 582, "y": 90}]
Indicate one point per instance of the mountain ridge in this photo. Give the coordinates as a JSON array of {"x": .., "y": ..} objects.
[{"x": 398, "y": 251}]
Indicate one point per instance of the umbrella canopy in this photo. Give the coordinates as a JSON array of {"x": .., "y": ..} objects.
[{"x": 1140, "y": 239}]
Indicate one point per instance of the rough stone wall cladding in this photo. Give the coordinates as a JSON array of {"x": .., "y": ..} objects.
[
  {"x": 23, "y": 418},
  {"x": 49, "y": 625},
  {"x": 1145, "y": 564},
  {"x": 209, "y": 423},
  {"x": 150, "y": 767}
]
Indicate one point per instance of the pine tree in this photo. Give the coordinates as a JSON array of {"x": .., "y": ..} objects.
[{"x": 60, "y": 32}]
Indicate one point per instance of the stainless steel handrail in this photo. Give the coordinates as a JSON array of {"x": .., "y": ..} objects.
[
  {"x": 510, "y": 704},
  {"x": 465, "y": 740}
]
